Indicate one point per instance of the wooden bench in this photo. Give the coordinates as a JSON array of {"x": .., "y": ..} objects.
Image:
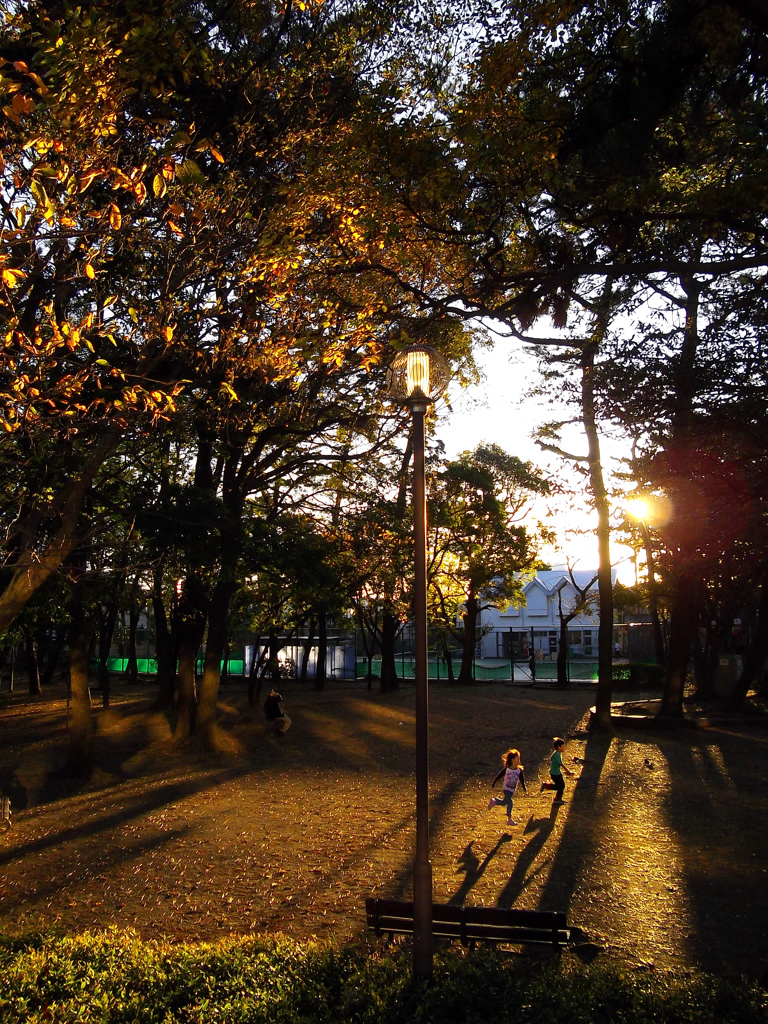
[{"x": 472, "y": 924}]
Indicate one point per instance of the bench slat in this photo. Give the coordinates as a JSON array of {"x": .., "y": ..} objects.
[{"x": 471, "y": 924}]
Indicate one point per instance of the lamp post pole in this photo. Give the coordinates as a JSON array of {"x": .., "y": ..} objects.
[
  {"x": 418, "y": 375},
  {"x": 422, "y": 869}
]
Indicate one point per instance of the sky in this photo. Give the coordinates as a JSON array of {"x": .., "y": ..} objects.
[{"x": 500, "y": 411}]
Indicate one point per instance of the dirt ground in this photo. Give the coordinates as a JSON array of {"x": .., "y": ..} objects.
[{"x": 658, "y": 853}]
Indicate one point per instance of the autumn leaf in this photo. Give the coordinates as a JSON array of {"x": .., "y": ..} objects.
[
  {"x": 169, "y": 333},
  {"x": 22, "y": 104},
  {"x": 89, "y": 271},
  {"x": 12, "y": 277},
  {"x": 159, "y": 186},
  {"x": 87, "y": 180},
  {"x": 114, "y": 217}
]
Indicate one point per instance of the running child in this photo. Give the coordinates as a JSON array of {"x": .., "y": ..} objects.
[
  {"x": 513, "y": 777},
  {"x": 556, "y": 769}
]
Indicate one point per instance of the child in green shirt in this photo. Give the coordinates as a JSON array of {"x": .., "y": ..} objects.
[{"x": 556, "y": 769}]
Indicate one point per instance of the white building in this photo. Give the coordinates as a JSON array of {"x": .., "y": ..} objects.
[{"x": 537, "y": 623}]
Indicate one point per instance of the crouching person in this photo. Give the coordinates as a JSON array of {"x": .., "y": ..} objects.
[{"x": 275, "y": 715}]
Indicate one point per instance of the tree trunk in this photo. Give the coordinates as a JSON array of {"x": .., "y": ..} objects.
[
  {"x": 106, "y": 633},
  {"x": 390, "y": 626},
  {"x": 684, "y": 612},
  {"x": 600, "y": 498},
  {"x": 682, "y": 622},
  {"x": 33, "y": 668},
  {"x": 215, "y": 647},
  {"x": 754, "y": 659},
  {"x": 369, "y": 641},
  {"x": 80, "y": 757},
  {"x": 322, "y": 650},
  {"x": 562, "y": 654},
  {"x": 653, "y": 599},
  {"x": 134, "y": 611},
  {"x": 255, "y": 676},
  {"x": 32, "y": 568},
  {"x": 707, "y": 660},
  {"x": 54, "y": 653},
  {"x": 469, "y": 641},
  {"x": 165, "y": 649},
  {"x": 307, "y": 652},
  {"x": 191, "y": 629},
  {"x": 273, "y": 665},
  {"x": 448, "y": 659}
]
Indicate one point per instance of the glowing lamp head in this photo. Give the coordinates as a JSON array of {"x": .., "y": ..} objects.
[{"x": 418, "y": 373}]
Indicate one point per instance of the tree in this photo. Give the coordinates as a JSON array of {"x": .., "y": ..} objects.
[
  {"x": 478, "y": 551},
  {"x": 160, "y": 194},
  {"x": 589, "y": 151},
  {"x": 578, "y": 604}
]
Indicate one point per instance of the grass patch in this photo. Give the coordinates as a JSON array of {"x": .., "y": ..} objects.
[{"x": 113, "y": 977}]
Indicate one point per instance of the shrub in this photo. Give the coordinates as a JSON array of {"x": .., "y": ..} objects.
[{"x": 114, "y": 977}]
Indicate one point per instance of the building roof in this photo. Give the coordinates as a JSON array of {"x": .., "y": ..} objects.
[{"x": 552, "y": 580}]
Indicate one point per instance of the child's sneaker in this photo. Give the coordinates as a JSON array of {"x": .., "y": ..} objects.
[
  {"x": 542, "y": 787},
  {"x": 492, "y": 802},
  {"x": 511, "y": 822}
]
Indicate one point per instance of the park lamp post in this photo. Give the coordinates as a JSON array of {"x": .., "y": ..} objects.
[{"x": 418, "y": 375}]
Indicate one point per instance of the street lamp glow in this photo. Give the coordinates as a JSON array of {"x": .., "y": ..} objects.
[{"x": 417, "y": 373}]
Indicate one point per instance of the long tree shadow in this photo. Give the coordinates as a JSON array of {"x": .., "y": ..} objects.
[
  {"x": 522, "y": 875},
  {"x": 716, "y": 810},
  {"x": 577, "y": 847},
  {"x": 146, "y": 801},
  {"x": 668, "y": 851},
  {"x": 439, "y": 806}
]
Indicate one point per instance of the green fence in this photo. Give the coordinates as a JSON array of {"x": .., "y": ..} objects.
[
  {"x": 499, "y": 671},
  {"x": 148, "y": 666}
]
